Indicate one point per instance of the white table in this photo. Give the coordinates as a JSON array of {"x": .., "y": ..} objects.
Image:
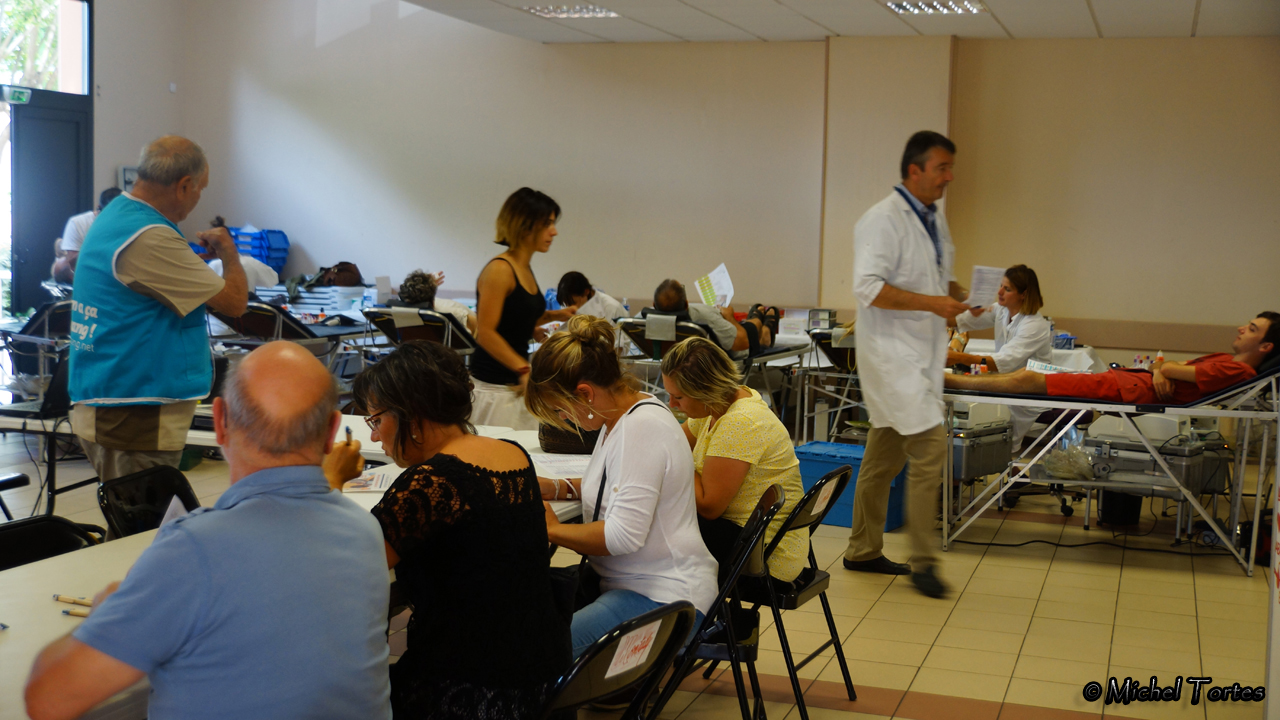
[{"x": 35, "y": 619}]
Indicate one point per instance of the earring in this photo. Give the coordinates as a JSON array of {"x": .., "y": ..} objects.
[{"x": 591, "y": 416}]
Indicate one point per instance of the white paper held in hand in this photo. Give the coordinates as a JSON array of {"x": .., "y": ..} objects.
[
  {"x": 983, "y": 285},
  {"x": 715, "y": 288},
  {"x": 633, "y": 649}
]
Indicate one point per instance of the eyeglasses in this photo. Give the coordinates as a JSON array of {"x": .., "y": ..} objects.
[{"x": 373, "y": 422}]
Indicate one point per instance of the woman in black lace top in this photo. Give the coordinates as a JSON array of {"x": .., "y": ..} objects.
[{"x": 464, "y": 530}]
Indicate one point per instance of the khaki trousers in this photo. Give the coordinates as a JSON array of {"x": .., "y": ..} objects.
[
  {"x": 112, "y": 464},
  {"x": 886, "y": 453}
]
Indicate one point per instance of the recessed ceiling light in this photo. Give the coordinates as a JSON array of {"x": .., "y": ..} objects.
[
  {"x": 936, "y": 7},
  {"x": 561, "y": 12}
]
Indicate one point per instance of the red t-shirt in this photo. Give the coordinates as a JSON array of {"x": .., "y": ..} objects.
[{"x": 1213, "y": 373}]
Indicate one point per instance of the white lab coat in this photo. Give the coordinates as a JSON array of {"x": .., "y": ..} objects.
[
  {"x": 901, "y": 353},
  {"x": 1018, "y": 339},
  {"x": 603, "y": 306}
]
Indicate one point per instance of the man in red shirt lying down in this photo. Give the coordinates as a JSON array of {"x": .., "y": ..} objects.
[{"x": 1171, "y": 383}]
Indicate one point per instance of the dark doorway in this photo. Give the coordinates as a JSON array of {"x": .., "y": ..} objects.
[{"x": 52, "y": 179}]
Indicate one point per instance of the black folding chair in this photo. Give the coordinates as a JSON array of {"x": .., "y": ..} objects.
[
  {"x": 137, "y": 502},
  {"x": 634, "y": 654},
  {"x": 806, "y": 516},
  {"x": 716, "y": 638},
  {"x": 11, "y": 481},
  {"x": 402, "y": 324},
  {"x": 40, "y": 537}
]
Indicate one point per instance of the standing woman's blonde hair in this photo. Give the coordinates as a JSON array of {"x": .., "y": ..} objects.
[
  {"x": 703, "y": 371},
  {"x": 582, "y": 350},
  {"x": 523, "y": 215}
]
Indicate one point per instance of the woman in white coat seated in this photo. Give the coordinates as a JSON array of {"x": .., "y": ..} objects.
[{"x": 1022, "y": 334}]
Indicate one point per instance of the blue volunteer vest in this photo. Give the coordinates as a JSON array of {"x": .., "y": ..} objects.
[{"x": 127, "y": 348}]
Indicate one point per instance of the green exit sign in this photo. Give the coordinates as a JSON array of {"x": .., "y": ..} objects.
[{"x": 17, "y": 95}]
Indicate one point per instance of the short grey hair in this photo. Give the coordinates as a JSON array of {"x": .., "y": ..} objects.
[
  {"x": 165, "y": 163},
  {"x": 278, "y": 436}
]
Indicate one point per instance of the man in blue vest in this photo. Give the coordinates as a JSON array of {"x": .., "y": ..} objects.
[{"x": 139, "y": 344}]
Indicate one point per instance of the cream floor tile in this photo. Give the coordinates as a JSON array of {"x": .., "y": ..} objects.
[
  {"x": 1155, "y": 620},
  {"x": 903, "y": 612},
  {"x": 905, "y": 593},
  {"x": 1079, "y": 650},
  {"x": 1140, "y": 573},
  {"x": 1103, "y": 614},
  {"x": 1185, "y": 589},
  {"x": 1235, "y": 711},
  {"x": 886, "y": 651},
  {"x": 817, "y": 713},
  {"x": 1174, "y": 662},
  {"x": 802, "y": 643},
  {"x": 973, "y": 661},
  {"x": 979, "y": 640},
  {"x": 1234, "y": 596},
  {"x": 1080, "y": 595},
  {"x": 1068, "y": 630},
  {"x": 1156, "y": 603},
  {"x": 1229, "y": 669},
  {"x": 1226, "y": 611},
  {"x": 1183, "y": 710},
  {"x": 723, "y": 707},
  {"x": 680, "y": 699},
  {"x": 811, "y": 622},
  {"x": 1093, "y": 560},
  {"x": 848, "y": 607},
  {"x": 1029, "y": 590},
  {"x": 871, "y": 673},
  {"x": 1217, "y": 627},
  {"x": 1154, "y": 639},
  {"x": 894, "y": 630},
  {"x": 1245, "y": 649},
  {"x": 995, "y": 571},
  {"x": 1229, "y": 577},
  {"x": 984, "y": 620},
  {"x": 858, "y": 591},
  {"x": 996, "y": 603},
  {"x": 960, "y": 684},
  {"x": 1085, "y": 581},
  {"x": 1031, "y": 557},
  {"x": 1060, "y": 671},
  {"x": 1063, "y": 696},
  {"x": 774, "y": 663}
]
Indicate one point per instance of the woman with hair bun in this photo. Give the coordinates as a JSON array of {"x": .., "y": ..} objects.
[
  {"x": 509, "y": 305},
  {"x": 464, "y": 531},
  {"x": 643, "y": 541}
]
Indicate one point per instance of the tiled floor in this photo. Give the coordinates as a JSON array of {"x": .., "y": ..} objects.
[{"x": 1022, "y": 631}]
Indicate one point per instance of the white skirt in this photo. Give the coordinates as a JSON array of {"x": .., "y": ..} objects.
[{"x": 499, "y": 405}]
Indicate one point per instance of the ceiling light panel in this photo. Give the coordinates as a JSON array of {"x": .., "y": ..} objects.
[
  {"x": 936, "y": 7},
  {"x": 570, "y": 12}
]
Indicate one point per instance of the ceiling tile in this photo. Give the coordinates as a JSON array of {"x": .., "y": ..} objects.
[
  {"x": 681, "y": 20},
  {"x": 981, "y": 25},
  {"x": 618, "y": 29},
  {"x": 852, "y": 17},
  {"x": 1238, "y": 17},
  {"x": 765, "y": 19},
  {"x": 1145, "y": 18},
  {"x": 504, "y": 19},
  {"x": 1044, "y": 18}
]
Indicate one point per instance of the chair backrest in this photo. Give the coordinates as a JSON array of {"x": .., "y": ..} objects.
[
  {"x": 753, "y": 550},
  {"x": 845, "y": 359},
  {"x": 636, "y": 328},
  {"x": 267, "y": 322},
  {"x": 814, "y": 506},
  {"x": 36, "y": 538},
  {"x": 136, "y": 503},
  {"x": 403, "y": 324},
  {"x": 633, "y": 654}
]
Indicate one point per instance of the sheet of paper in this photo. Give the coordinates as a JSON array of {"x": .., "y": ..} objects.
[
  {"x": 557, "y": 466},
  {"x": 383, "y": 283},
  {"x": 374, "y": 480},
  {"x": 715, "y": 288},
  {"x": 633, "y": 649},
  {"x": 983, "y": 285},
  {"x": 175, "y": 510},
  {"x": 1047, "y": 369}
]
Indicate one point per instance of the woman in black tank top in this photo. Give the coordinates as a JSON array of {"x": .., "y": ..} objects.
[{"x": 509, "y": 304}]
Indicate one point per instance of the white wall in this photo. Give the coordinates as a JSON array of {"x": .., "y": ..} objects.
[
  {"x": 390, "y": 136},
  {"x": 137, "y": 52}
]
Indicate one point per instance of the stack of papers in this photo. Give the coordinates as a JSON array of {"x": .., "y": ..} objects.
[
  {"x": 1046, "y": 369},
  {"x": 375, "y": 480},
  {"x": 560, "y": 467}
]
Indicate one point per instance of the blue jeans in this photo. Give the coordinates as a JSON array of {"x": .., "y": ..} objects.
[{"x": 610, "y": 610}]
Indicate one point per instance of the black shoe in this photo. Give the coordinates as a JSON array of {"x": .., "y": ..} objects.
[
  {"x": 881, "y": 565},
  {"x": 928, "y": 584}
]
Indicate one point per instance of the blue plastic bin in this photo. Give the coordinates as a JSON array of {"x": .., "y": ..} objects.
[{"x": 819, "y": 458}]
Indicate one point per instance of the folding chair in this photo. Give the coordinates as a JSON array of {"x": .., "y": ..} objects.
[
  {"x": 655, "y": 333},
  {"x": 634, "y": 654},
  {"x": 11, "y": 481},
  {"x": 262, "y": 323},
  {"x": 806, "y": 516},
  {"x": 137, "y": 502},
  {"x": 40, "y": 537},
  {"x": 401, "y": 324},
  {"x": 706, "y": 644},
  {"x": 31, "y": 346}
]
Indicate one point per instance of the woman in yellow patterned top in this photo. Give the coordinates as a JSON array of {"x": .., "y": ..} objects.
[{"x": 740, "y": 448}]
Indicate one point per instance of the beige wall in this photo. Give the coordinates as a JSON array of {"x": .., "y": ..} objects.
[
  {"x": 880, "y": 91},
  {"x": 1138, "y": 177},
  {"x": 138, "y": 51},
  {"x": 392, "y": 138}
]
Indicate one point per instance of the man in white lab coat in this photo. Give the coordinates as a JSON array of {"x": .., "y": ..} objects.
[{"x": 902, "y": 277}]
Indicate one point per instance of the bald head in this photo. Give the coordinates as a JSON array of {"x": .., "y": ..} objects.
[
  {"x": 169, "y": 159},
  {"x": 670, "y": 297},
  {"x": 280, "y": 400}
]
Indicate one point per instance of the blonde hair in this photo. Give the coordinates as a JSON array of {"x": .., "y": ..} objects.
[
  {"x": 525, "y": 213},
  {"x": 582, "y": 350},
  {"x": 704, "y": 372}
]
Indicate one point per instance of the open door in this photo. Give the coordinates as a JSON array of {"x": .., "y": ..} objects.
[{"x": 52, "y": 180}]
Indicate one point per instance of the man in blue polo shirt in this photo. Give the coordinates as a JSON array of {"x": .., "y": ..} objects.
[{"x": 270, "y": 604}]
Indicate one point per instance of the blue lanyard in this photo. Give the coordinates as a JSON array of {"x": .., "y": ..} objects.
[{"x": 931, "y": 228}]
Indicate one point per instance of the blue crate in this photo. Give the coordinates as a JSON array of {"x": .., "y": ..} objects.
[{"x": 819, "y": 458}]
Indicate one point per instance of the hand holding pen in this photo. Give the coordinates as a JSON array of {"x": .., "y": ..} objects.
[{"x": 344, "y": 462}]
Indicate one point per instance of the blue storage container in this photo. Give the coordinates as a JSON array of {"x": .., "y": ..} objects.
[{"x": 819, "y": 458}]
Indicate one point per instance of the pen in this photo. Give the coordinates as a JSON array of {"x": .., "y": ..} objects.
[
  {"x": 76, "y": 612},
  {"x": 348, "y": 434},
  {"x": 73, "y": 600},
  {"x": 3, "y": 626}
]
